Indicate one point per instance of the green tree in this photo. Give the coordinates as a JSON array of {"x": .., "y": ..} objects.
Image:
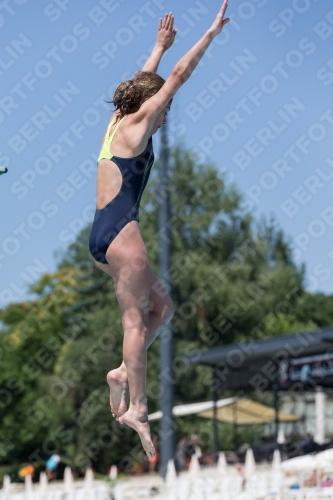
[{"x": 232, "y": 279}]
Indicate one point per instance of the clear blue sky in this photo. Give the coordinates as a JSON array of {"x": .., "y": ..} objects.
[{"x": 259, "y": 106}]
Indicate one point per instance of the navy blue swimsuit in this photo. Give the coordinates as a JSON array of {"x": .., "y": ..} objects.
[{"x": 124, "y": 207}]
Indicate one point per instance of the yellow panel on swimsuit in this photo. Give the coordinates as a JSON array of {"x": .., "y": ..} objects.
[{"x": 105, "y": 151}]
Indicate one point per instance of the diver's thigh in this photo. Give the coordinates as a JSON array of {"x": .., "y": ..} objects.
[
  {"x": 160, "y": 301},
  {"x": 129, "y": 268}
]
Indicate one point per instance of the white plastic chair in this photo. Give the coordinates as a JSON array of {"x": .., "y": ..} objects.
[
  {"x": 55, "y": 495},
  {"x": 230, "y": 487},
  {"x": 325, "y": 494},
  {"x": 209, "y": 487},
  {"x": 302, "y": 494},
  {"x": 198, "y": 490},
  {"x": 118, "y": 492},
  {"x": 256, "y": 486},
  {"x": 180, "y": 490},
  {"x": 102, "y": 493},
  {"x": 184, "y": 487},
  {"x": 202, "y": 489},
  {"x": 276, "y": 482},
  {"x": 80, "y": 494}
]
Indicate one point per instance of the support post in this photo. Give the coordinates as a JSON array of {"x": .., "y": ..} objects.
[
  {"x": 276, "y": 408},
  {"x": 165, "y": 338},
  {"x": 320, "y": 399},
  {"x": 215, "y": 381},
  {"x": 234, "y": 414}
]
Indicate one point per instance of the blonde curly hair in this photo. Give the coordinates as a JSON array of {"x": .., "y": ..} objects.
[{"x": 131, "y": 94}]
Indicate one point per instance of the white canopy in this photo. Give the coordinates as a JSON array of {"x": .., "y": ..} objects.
[
  {"x": 191, "y": 408},
  {"x": 303, "y": 463},
  {"x": 241, "y": 411},
  {"x": 324, "y": 460}
]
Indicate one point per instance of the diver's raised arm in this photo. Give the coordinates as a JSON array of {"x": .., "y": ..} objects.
[
  {"x": 190, "y": 60},
  {"x": 165, "y": 38},
  {"x": 181, "y": 71}
]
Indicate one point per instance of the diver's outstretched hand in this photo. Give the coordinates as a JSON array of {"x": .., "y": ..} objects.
[
  {"x": 166, "y": 34},
  {"x": 219, "y": 21}
]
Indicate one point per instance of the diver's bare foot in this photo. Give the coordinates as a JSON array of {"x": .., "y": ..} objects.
[
  {"x": 139, "y": 422},
  {"x": 118, "y": 384}
]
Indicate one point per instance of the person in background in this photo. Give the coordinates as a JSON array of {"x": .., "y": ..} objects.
[
  {"x": 240, "y": 469},
  {"x": 51, "y": 467},
  {"x": 195, "y": 445},
  {"x": 181, "y": 453},
  {"x": 153, "y": 461},
  {"x": 309, "y": 445}
]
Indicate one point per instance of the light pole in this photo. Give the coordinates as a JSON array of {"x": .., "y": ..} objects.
[{"x": 165, "y": 338}]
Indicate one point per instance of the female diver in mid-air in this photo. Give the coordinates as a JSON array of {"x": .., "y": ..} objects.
[{"x": 124, "y": 165}]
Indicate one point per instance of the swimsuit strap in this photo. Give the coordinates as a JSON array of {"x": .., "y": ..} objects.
[
  {"x": 108, "y": 137},
  {"x": 105, "y": 151}
]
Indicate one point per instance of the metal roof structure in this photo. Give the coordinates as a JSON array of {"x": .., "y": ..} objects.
[{"x": 254, "y": 363}]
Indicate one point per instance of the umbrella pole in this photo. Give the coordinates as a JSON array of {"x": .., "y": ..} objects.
[{"x": 215, "y": 430}]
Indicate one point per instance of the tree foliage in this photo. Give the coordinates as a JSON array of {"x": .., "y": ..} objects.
[{"x": 232, "y": 278}]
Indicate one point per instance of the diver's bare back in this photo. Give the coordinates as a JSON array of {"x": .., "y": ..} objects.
[{"x": 131, "y": 137}]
